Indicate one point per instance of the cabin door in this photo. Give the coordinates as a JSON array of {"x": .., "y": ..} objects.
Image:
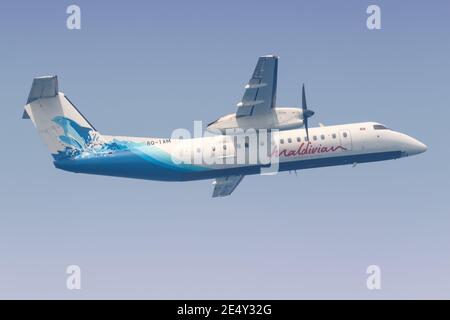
[{"x": 346, "y": 139}]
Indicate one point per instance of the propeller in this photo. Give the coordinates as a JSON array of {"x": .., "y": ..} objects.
[{"x": 306, "y": 112}]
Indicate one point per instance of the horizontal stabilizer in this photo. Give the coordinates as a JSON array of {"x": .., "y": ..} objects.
[{"x": 42, "y": 87}]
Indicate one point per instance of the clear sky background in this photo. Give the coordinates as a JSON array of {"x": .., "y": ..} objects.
[{"x": 143, "y": 68}]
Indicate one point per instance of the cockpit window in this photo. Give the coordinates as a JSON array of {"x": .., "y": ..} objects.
[{"x": 380, "y": 127}]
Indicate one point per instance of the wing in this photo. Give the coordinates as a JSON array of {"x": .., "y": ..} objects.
[
  {"x": 224, "y": 186},
  {"x": 260, "y": 92}
]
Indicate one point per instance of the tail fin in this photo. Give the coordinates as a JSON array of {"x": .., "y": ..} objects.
[{"x": 63, "y": 128}]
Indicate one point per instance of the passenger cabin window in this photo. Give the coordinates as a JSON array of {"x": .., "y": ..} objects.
[
  {"x": 334, "y": 135},
  {"x": 322, "y": 137},
  {"x": 289, "y": 140},
  {"x": 314, "y": 138},
  {"x": 224, "y": 147},
  {"x": 345, "y": 134},
  {"x": 380, "y": 127},
  {"x": 282, "y": 141},
  {"x": 298, "y": 139}
]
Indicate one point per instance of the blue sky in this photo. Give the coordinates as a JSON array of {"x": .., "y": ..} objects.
[{"x": 144, "y": 68}]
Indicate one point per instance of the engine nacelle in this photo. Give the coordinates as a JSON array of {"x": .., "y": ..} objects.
[{"x": 279, "y": 118}]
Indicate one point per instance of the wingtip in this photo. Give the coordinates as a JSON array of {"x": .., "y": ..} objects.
[
  {"x": 271, "y": 56},
  {"x": 46, "y": 77}
]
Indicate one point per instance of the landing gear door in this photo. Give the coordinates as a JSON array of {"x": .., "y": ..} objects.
[{"x": 346, "y": 139}]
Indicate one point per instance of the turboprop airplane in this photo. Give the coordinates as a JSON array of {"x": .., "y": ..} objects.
[{"x": 282, "y": 133}]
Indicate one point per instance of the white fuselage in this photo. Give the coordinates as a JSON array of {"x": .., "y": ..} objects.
[
  {"x": 355, "y": 138},
  {"x": 184, "y": 159}
]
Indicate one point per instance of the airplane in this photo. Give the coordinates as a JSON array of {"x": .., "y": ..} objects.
[{"x": 76, "y": 146}]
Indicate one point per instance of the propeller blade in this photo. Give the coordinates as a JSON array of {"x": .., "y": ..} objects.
[
  {"x": 304, "y": 106},
  {"x": 305, "y": 111},
  {"x": 306, "y": 128}
]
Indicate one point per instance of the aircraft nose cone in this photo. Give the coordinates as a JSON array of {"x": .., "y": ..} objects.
[
  {"x": 421, "y": 147},
  {"x": 414, "y": 147}
]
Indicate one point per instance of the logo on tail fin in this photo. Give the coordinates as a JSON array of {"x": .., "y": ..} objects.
[
  {"x": 76, "y": 138},
  {"x": 83, "y": 142},
  {"x": 74, "y": 135}
]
